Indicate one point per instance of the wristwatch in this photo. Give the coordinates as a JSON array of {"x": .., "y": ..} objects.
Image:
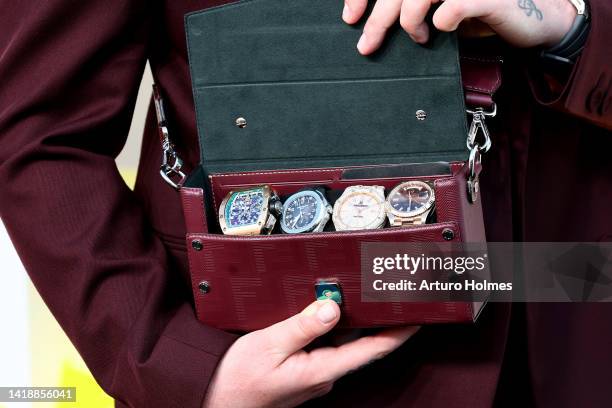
[
  {"x": 249, "y": 212},
  {"x": 360, "y": 208},
  {"x": 410, "y": 203},
  {"x": 305, "y": 211},
  {"x": 565, "y": 53}
]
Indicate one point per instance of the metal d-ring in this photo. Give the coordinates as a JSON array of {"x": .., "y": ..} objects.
[{"x": 473, "y": 182}]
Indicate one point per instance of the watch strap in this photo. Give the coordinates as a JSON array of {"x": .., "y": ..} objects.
[
  {"x": 324, "y": 220},
  {"x": 269, "y": 225},
  {"x": 566, "y": 52},
  {"x": 419, "y": 220}
]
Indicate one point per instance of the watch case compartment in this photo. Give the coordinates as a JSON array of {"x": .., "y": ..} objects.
[
  {"x": 288, "y": 90},
  {"x": 252, "y": 282},
  {"x": 285, "y": 183}
]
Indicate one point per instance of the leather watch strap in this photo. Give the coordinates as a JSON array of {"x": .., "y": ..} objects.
[{"x": 569, "y": 48}]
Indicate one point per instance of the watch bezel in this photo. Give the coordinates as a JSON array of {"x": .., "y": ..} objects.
[
  {"x": 251, "y": 229},
  {"x": 322, "y": 205},
  {"x": 410, "y": 214},
  {"x": 373, "y": 191}
]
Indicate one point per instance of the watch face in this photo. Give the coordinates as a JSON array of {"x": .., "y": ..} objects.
[
  {"x": 301, "y": 212},
  {"x": 411, "y": 198},
  {"x": 244, "y": 208},
  {"x": 359, "y": 210}
]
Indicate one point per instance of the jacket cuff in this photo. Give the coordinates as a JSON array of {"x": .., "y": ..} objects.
[
  {"x": 179, "y": 368},
  {"x": 587, "y": 92}
]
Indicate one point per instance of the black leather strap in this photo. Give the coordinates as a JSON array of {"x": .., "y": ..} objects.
[{"x": 572, "y": 44}]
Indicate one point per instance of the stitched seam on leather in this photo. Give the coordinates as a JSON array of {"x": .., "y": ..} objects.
[
  {"x": 328, "y": 235},
  {"x": 262, "y": 173},
  {"x": 483, "y": 90},
  {"x": 480, "y": 59},
  {"x": 273, "y": 172},
  {"x": 487, "y": 91},
  {"x": 497, "y": 74},
  {"x": 214, "y": 196}
]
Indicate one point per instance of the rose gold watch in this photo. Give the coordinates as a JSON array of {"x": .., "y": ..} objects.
[{"x": 410, "y": 203}]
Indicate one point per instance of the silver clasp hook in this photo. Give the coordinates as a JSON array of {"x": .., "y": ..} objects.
[
  {"x": 171, "y": 165},
  {"x": 479, "y": 116},
  {"x": 477, "y": 147}
]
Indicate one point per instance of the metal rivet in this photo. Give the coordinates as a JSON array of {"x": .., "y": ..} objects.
[
  {"x": 448, "y": 234},
  {"x": 197, "y": 244},
  {"x": 241, "y": 122},
  {"x": 421, "y": 114},
  {"x": 204, "y": 287}
]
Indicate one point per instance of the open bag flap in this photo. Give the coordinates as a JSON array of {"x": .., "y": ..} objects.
[{"x": 291, "y": 71}]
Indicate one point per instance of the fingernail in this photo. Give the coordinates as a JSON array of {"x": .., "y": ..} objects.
[
  {"x": 362, "y": 42},
  {"x": 326, "y": 313},
  {"x": 420, "y": 34},
  {"x": 346, "y": 12},
  {"x": 310, "y": 310}
]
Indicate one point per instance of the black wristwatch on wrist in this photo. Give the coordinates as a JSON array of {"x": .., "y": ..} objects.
[{"x": 563, "y": 55}]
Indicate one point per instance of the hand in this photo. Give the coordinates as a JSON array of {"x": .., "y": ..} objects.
[
  {"x": 522, "y": 23},
  {"x": 268, "y": 368}
]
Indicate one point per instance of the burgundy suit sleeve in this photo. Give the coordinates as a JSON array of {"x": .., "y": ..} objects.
[
  {"x": 70, "y": 72},
  {"x": 588, "y": 91}
]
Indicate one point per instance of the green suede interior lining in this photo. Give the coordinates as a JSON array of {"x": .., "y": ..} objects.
[{"x": 291, "y": 69}]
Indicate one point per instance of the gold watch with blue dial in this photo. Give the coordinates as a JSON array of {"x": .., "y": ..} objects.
[{"x": 252, "y": 211}]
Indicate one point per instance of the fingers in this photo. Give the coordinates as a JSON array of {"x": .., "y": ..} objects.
[
  {"x": 329, "y": 364},
  {"x": 287, "y": 337},
  {"x": 411, "y": 14},
  {"x": 384, "y": 14},
  {"x": 353, "y": 10},
  {"x": 452, "y": 12},
  {"x": 412, "y": 19}
]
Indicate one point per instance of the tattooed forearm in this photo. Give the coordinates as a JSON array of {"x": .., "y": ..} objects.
[{"x": 530, "y": 9}]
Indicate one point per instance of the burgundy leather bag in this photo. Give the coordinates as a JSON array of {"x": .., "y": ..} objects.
[{"x": 247, "y": 283}]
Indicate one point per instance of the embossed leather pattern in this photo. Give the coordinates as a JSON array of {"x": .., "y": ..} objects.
[{"x": 252, "y": 282}]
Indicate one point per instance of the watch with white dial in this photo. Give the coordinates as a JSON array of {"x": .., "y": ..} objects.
[
  {"x": 360, "y": 208},
  {"x": 305, "y": 211},
  {"x": 410, "y": 203},
  {"x": 249, "y": 212}
]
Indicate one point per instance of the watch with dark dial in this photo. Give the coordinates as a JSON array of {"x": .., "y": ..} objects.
[
  {"x": 410, "y": 203},
  {"x": 249, "y": 212},
  {"x": 305, "y": 211},
  {"x": 360, "y": 208}
]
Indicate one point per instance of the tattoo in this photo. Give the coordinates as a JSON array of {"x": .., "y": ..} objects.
[{"x": 530, "y": 9}]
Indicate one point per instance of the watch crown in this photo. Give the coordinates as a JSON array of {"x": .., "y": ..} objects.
[{"x": 276, "y": 206}]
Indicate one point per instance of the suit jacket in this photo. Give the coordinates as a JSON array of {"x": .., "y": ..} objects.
[{"x": 111, "y": 264}]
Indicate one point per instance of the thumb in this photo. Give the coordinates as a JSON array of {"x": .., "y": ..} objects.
[{"x": 293, "y": 334}]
